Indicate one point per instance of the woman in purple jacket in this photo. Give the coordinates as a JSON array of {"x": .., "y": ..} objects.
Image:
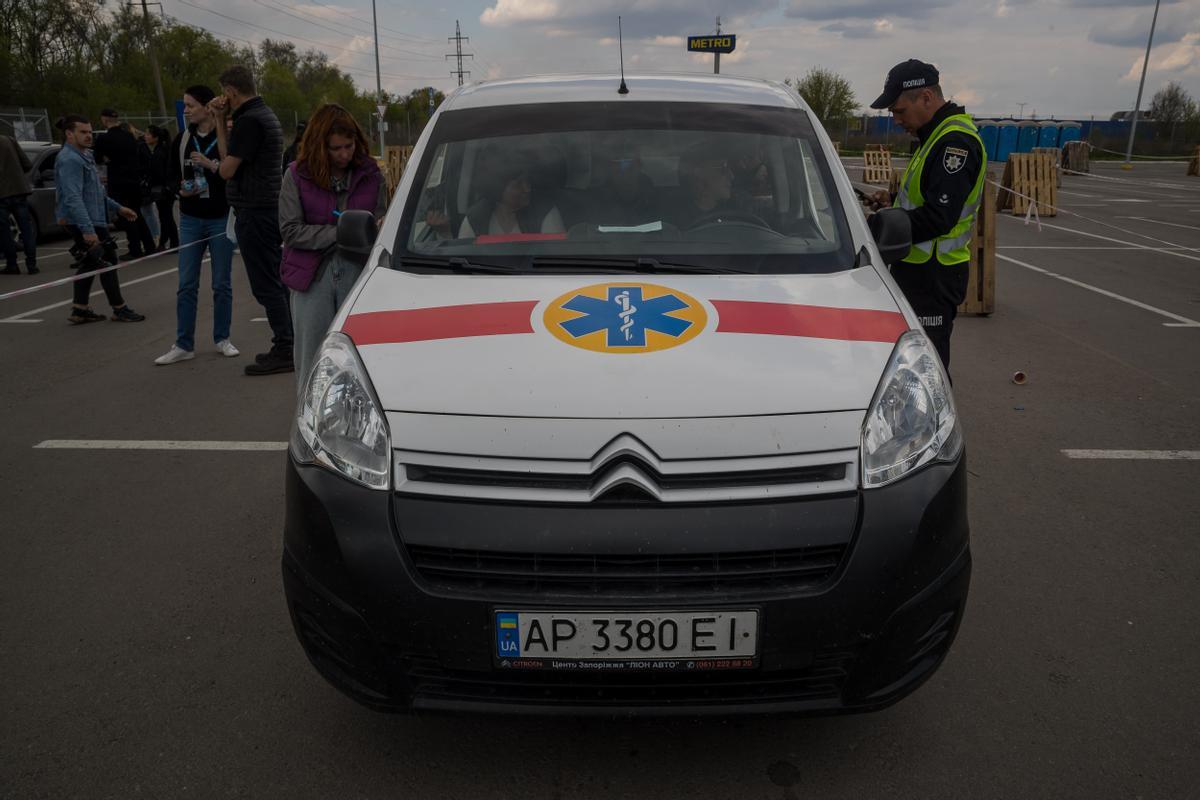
[{"x": 333, "y": 172}]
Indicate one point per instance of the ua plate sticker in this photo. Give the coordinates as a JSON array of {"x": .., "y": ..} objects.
[
  {"x": 508, "y": 635},
  {"x": 625, "y": 318}
]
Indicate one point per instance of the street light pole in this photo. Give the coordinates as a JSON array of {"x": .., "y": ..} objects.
[
  {"x": 717, "y": 58},
  {"x": 1138, "y": 103},
  {"x": 382, "y": 104},
  {"x": 162, "y": 103}
]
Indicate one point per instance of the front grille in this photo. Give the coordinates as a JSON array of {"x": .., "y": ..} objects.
[
  {"x": 625, "y": 470},
  {"x": 424, "y": 473},
  {"x": 489, "y": 574},
  {"x": 823, "y": 679}
]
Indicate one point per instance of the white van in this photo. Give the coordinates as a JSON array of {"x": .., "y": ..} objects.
[{"x": 626, "y": 415}]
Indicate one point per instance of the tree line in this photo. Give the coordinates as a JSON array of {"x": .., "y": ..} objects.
[
  {"x": 1173, "y": 112},
  {"x": 79, "y": 56}
]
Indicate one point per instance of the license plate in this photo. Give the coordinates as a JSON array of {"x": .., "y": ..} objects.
[{"x": 599, "y": 640}]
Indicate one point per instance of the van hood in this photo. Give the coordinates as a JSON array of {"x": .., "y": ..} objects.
[{"x": 611, "y": 347}]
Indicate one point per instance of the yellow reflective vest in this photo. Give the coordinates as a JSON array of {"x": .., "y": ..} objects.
[{"x": 951, "y": 248}]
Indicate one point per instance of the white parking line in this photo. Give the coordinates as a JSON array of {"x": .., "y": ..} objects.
[
  {"x": 22, "y": 316},
  {"x": 157, "y": 444},
  {"x": 1074, "y": 247},
  {"x": 1163, "y": 222},
  {"x": 1136, "y": 455},
  {"x": 1172, "y": 251},
  {"x": 1179, "y": 322}
]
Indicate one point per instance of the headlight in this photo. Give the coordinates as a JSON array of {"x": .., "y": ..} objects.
[
  {"x": 911, "y": 420},
  {"x": 340, "y": 423}
]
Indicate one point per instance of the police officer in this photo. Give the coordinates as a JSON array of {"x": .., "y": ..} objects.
[{"x": 941, "y": 191}]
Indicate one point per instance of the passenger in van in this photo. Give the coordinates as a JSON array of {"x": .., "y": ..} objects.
[
  {"x": 508, "y": 204},
  {"x": 627, "y": 196}
]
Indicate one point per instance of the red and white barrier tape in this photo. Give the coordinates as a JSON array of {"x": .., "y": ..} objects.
[
  {"x": 1032, "y": 214},
  {"x": 93, "y": 273}
]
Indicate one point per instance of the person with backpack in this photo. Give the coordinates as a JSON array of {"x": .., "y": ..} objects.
[{"x": 194, "y": 168}]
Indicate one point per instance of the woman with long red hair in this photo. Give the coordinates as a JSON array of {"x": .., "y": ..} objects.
[{"x": 332, "y": 173}]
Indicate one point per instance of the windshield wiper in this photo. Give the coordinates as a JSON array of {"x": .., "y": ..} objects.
[
  {"x": 643, "y": 264},
  {"x": 453, "y": 264}
]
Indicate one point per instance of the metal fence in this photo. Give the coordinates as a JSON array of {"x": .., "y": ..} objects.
[{"x": 26, "y": 124}]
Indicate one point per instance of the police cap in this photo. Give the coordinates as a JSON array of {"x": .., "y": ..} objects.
[{"x": 911, "y": 74}]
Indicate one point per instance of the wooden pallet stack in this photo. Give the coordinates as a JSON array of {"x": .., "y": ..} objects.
[
  {"x": 981, "y": 286},
  {"x": 1029, "y": 179},
  {"x": 877, "y": 164},
  {"x": 1075, "y": 156},
  {"x": 1056, "y": 155},
  {"x": 395, "y": 159},
  {"x": 1194, "y": 164}
]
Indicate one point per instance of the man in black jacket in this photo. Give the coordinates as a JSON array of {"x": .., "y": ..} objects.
[
  {"x": 941, "y": 191},
  {"x": 14, "y": 202},
  {"x": 118, "y": 149},
  {"x": 251, "y": 163}
]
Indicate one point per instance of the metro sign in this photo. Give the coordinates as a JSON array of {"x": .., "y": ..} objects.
[{"x": 712, "y": 43}]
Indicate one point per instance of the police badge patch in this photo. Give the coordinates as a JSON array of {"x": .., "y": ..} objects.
[{"x": 953, "y": 159}]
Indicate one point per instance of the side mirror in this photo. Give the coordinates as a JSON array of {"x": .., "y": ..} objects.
[
  {"x": 356, "y": 233},
  {"x": 893, "y": 233}
]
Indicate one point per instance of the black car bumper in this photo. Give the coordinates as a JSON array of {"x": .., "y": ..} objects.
[{"x": 868, "y": 618}]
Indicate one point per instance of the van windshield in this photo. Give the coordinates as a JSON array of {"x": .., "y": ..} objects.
[{"x": 710, "y": 187}]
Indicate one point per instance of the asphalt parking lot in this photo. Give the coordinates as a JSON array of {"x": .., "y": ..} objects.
[{"x": 146, "y": 651}]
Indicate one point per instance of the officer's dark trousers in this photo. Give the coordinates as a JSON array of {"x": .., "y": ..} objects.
[
  {"x": 259, "y": 241},
  {"x": 935, "y": 292}
]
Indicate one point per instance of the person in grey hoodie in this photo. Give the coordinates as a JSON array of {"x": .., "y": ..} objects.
[{"x": 333, "y": 172}]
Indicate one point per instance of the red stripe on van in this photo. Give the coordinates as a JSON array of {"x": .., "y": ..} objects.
[
  {"x": 441, "y": 322},
  {"x": 815, "y": 322}
]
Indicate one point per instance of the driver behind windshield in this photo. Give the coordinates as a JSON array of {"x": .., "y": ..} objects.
[
  {"x": 508, "y": 204},
  {"x": 707, "y": 183}
]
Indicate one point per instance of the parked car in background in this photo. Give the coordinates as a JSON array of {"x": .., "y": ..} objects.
[{"x": 41, "y": 177}]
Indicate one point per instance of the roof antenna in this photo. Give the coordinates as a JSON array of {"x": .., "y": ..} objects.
[{"x": 621, "y": 42}]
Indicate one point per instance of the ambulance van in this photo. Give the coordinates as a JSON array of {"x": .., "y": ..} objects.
[{"x": 626, "y": 416}]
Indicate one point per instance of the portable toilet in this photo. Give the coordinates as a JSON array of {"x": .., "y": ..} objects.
[
  {"x": 1069, "y": 132},
  {"x": 1027, "y": 136},
  {"x": 1048, "y": 134},
  {"x": 1006, "y": 139},
  {"x": 988, "y": 133}
]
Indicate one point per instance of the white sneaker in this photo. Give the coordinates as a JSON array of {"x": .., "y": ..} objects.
[
  {"x": 226, "y": 348},
  {"x": 173, "y": 355}
]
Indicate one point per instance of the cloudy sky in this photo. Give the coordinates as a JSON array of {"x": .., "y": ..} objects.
[{"x": 1068, "y": 58}]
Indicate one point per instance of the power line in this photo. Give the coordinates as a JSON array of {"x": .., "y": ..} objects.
[
  {"x": 458, "y": 39},
  {"x": 397, "y": 76},
  {"x": 349, "y": 32},
  {"x": 381, "y": 27}
]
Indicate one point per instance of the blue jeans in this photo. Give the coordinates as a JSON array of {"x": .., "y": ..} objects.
[
  {"x": 192, "y": 230},
  {"x": 313, "y": 310}
]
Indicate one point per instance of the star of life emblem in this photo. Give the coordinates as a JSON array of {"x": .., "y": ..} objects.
[{"x": 625, "y": 318}]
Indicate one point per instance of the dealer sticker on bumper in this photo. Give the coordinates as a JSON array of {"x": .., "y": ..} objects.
[{"x": 623, "y": 640}]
